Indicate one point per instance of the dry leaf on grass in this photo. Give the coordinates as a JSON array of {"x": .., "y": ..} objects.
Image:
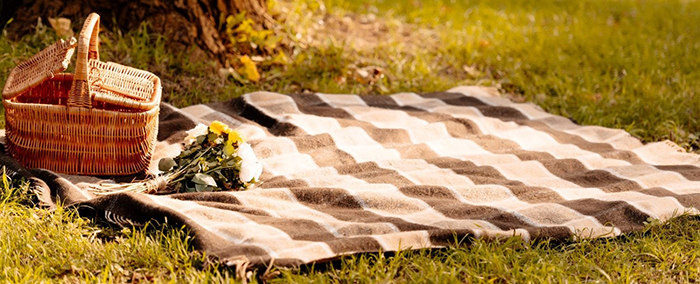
[
  {"x": 249, "y": 69},
  {"x": 61, "y": 26}
]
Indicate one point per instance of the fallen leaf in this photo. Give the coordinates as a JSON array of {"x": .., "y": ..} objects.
[
  {"x": 472, "y": 71},
  {"x": 224, "y": 73},
  {"x": 280, "y": 59},
  {"x": 249, "y": 68},
  {"x": 61, "y": 26},
  {"x": 230, "y": 72},
  {"x": 362, "y": 73}
]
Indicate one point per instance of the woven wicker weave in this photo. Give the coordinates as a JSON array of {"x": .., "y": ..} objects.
[{"x": 102, "y": 120}]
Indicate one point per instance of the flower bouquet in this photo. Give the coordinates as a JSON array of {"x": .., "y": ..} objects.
[{"x": 214, "y": 158}]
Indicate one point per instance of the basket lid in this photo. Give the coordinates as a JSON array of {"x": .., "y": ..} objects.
[
  {"x": 124, "y": 86},
  {"x": 39, "y": 68}
]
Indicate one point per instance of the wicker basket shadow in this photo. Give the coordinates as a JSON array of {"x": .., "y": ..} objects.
[{"x": 102, "y": 120}]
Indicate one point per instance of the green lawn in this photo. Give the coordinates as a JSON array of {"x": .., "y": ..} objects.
[{"x": 624, "y": 64}]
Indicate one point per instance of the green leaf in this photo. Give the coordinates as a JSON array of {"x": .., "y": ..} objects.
[
  {"x": 199, "y": 187},
  {"x": 166, "y": 164},
  {"x": 189, "y": 188},
  {"x": 204, "y": 179},
  {"x": 231, "y": 162},
  {"x": 229, "y": 149},
  {"x": 212, "y": 136}
]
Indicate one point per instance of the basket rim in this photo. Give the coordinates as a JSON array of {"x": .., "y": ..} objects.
[
  {"x": 138, "y": 106},
  {"x": 15, "y": 104}
]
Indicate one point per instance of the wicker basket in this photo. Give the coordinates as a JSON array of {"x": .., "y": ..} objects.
[{"x": 102, "y": 120}]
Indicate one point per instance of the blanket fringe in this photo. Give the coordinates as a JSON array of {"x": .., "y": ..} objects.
[{"x": 242, "y": 269}]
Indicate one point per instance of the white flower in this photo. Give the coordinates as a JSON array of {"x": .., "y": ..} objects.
[
  {"x": 198, "y": 130},
  {"x": 246, "y": 153},
  {"x": 250, "y": 167},
  {"x": 250, "y": 171}
]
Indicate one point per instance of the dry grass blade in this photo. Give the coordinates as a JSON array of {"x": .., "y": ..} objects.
[{"x": 150, "y": 186}]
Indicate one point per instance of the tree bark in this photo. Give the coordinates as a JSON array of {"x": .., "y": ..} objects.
[{"x": 184, "y": 22}]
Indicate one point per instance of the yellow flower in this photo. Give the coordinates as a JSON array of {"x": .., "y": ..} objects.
[
  {"x": 233, "y": 136},
  {"x": 218, "y": 127}
]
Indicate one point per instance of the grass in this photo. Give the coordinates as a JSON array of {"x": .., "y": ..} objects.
[
  {"x": 625, "y": 64},
  {"x": 38, "y": 245}
]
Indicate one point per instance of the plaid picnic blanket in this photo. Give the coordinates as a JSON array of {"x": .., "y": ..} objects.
[{"x": 345, "y": 174}]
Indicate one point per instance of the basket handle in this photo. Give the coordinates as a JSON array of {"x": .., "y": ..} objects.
[{"x": 88, "y": 42}]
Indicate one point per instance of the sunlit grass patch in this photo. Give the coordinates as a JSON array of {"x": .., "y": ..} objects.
[{"x": 37, "y": 245}]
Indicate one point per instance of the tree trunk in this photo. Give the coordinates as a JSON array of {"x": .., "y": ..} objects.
[{"x": 184, "y": 22}]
